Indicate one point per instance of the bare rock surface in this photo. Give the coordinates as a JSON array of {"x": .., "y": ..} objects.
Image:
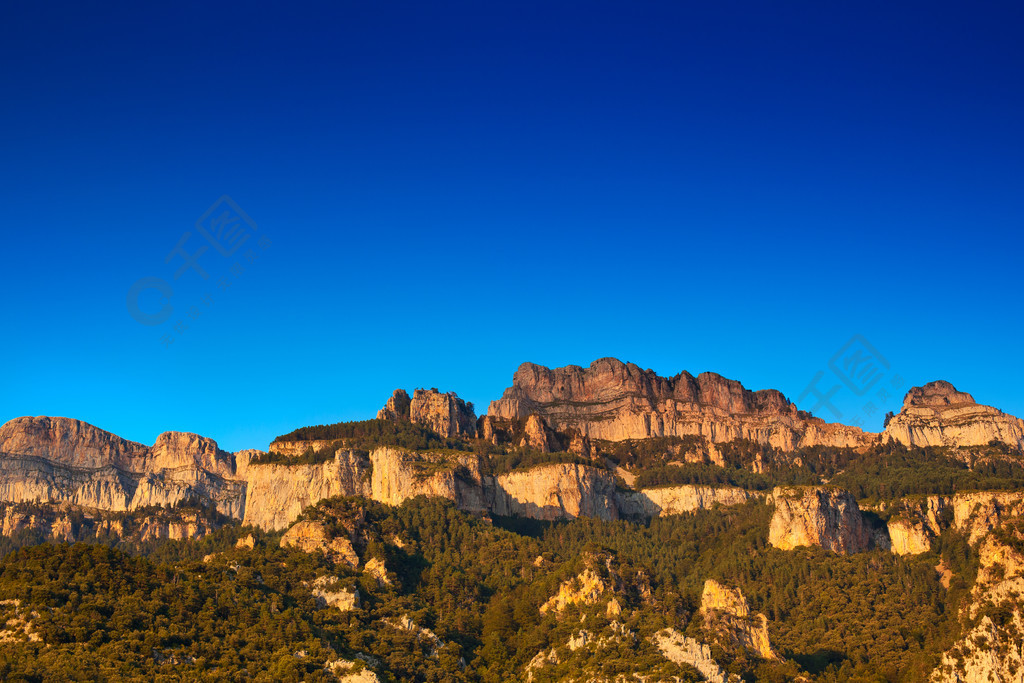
[
  {"x": 808, "y": 516},
  {"x": 936, "y": 414},
  {"x": 615, "y": 401},
  {"x": 728, "y": 618},
  {"x": 309, "y": 536},
  {"x": 675, "y": 500},
  {"x": 444, "y": 413},
  {"x": 56, "y": 459},
  {"x": 689, "y": 651}
]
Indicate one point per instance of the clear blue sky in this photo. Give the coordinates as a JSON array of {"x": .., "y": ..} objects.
[{"x": 450, "y": 189}]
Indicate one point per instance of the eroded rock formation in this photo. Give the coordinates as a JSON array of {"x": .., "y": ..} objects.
[
  {"x": 829, "y": 518},
  {"x": 57, "y": 459},
  {"x": 685, "y": 650},
  {"x": 615, "y": 401},
  {"x": 446, "y": 414},
  {"x": 598, "y": 581},
  {"x": 993, "y": 647},
  {"x": 729, "y": 620},
  {"x": 310, "y": 537},
  {"x": 939, "y": 415}
]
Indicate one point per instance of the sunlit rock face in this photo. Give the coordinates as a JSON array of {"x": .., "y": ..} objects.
[
  {"x": 728, "y": 620},
  {"x": 936, "y": 414},
  {"x": 829, "y": 518},
  {"x": 675, "y": 500},
  {"x": 56, "y": 459},
  {"x": 555, "y": 492},
  {"x": 444, "y": 413},
  {"x": 615, "y": 401}
]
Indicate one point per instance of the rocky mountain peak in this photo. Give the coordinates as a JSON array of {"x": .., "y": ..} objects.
[
  {"x": 614, "y": 400},
  {"x": 396, "y": 408},
  {"x": 938, "y": 394},
  {"x": 184, "y": 449},
  {"x": 936, "y": 414},
  {"x": 69, "y": 442}
]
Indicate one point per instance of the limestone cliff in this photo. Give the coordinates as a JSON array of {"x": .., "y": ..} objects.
[
  {"x": 615, "y": 401},
  {"x": 446, "y": 414},
  {"x": 939, "y": 415},
  {"x": 56, "y": 460},
  {"x": 51, "y": 460},
  {"x": 278, "y": 493},
  {"x": 399, "y": 475},
  {"x": 917, "y": 521},
  {"x": 555, "y": 492},
  {"x": 819, "y": 516},
  {"x": 675, "y": 500}
]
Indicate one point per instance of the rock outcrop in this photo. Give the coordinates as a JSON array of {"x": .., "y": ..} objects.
[
  {"x": 328, "y": 594},
  {"x": 351, "y": 671},
  {"x": 691, "y": 652},
  {"x": 68, "y": 523},
  {"x": 446, "y": 414},
  {"x": 909, "y": 537},
  {"x": 829, "y": 518},
  {"x": 278, "y": 493},
  {"x": 675, "y": 500},
  {"x": 939, "y": 415},
  {"x": 918, "y": 521},
  {"x": 598, "y": 580},
  {"x": 993, "y": 647},
  {"x": 309, "y": 537},
  {"x": 536, "y": 436},
  {"x": 728, "y": 619},
  {"x": 615, "y": 401}
]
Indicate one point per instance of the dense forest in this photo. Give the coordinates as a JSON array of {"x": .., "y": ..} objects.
[{"x": 207, "y": 609}]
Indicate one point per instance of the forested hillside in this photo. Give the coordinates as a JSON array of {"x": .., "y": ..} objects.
[{"x": 209, "y": 609}]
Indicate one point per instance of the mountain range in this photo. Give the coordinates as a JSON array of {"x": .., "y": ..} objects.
[{"x": 610, "y": 442}]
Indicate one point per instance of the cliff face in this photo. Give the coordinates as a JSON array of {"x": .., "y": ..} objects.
[
  {"x": 398, "y": 476},
  {"x": 817, "y": 516},
  {"x": 555, "y": 492},
  {"x": 45, "y": 460},
  {"x": 615, "y": 401},
  {"x": 939, "y": 415},
  {"x": 446, "y": 414},
  {"x": 918, "y": 522},
  {"x": 277, "y": 494},
  {"x": 675, "y": 500},
  {"x": 52, "y": 460}
]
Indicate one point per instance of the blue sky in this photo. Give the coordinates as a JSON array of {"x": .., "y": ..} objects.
[{"x": 446, "y": 190}]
